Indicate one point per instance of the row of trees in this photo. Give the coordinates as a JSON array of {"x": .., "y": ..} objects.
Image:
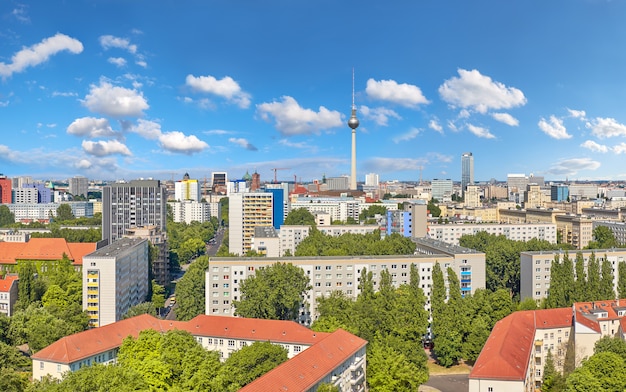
[
  {"x": 348, "y": 244},
  {"x": 172, "y": 361},
  {"x": 188, "y": 241}
]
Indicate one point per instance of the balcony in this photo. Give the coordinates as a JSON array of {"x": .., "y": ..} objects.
[{"x": 357, "y": 379}]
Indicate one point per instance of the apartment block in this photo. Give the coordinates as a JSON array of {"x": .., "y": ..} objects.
[
  {"x": 132, "y": 204},
  {"x": 78, "y": 186},
  {"x": 340, "y": 209},
  {"x": 292, "y": 235},
  {"x": 452, "y": 232},
  {"x": 6, "y": 190},
  {"x": 190, "y": 210},
  {"x": 535, "y": 268},
  {"x": 158, "y": 239},
  {"x": 337, "y": 358},
  {"x": 328, "y": 274},
  {"x": 246, "y": 211},
  {"x": 187, "y": 189},
  {"x": 115, "y": 278}
]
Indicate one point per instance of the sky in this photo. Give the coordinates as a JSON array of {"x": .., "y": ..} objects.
[{"x": 121, "y": 89}]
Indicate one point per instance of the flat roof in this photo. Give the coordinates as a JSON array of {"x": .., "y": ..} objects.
[{"x": 117, "y": 247}]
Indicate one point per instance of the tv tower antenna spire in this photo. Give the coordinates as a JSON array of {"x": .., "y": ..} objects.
[{"x": 353, "y": 123}]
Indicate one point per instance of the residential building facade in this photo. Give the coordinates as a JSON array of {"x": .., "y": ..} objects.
[
  {"x": 246, "y": 211},
  {"x": 452, "y": 232},
  {"x": 8, "y": 293}
]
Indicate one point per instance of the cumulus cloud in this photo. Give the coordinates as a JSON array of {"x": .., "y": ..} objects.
[
  {"x": 109, "y": 41},
  {"x": 91, "y": 128},
  {"x": 146, "y": 129},
  {"x": 226, "y": 88},
  {"x": 389, "y": 90},
  {"x": 577, "y": 113},
  {"x": 473, "y": 90},
  {"x": 83, "y": 164},
  {"x": 292, "y": 119},
  {"x": 117, "y": 61},
  {"x": 40, "y": 53},
  {"x": 115, "y": 101},
  {"x": 606, "y": 127},
  {"x": 379, "y": 115},
  {"x": 405, "y": 137},
  {"x": 505, "y": 118},
  {"x": 480, "y": 131},
  {"x": 243, "y": 143},
  {"x": 435, "y": 126},
  {"x": 570, "y": 167},
  {"x": 105, "y": 147},
  {"x": 595, "y": 147},
  {"x": 385, "y": 165},
  {"x": 554, "y": 128},
  {"x": 178, "y": 142},
  {"x": 620, "y": 148}
]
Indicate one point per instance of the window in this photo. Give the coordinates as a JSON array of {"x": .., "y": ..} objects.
[
  {"x": 297, "y": 349},
  {"x": 210, "y": 340},
  {"x": 221, "y": 342},
  {"x": 231, "y": 343},
  {"x": 329, "y": 267},
  {"x": 40, "y": 365},
  {"x": 317, "y": 267}
]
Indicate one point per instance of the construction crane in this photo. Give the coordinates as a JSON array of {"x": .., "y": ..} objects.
[{"x": 276, "y": 169}]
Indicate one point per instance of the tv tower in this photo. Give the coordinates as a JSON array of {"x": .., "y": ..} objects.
[{"x": 353, "y": 123}]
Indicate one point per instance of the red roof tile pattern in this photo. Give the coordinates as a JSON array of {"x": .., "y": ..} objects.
[
  {"x": 308, "y": 368},
  {"x": 581, "y": 319},
  {"x": 7, "y": 282},
  {"x": 608, "y": 306},
  {"x": 506, "y": 353},
  {"x": 253, "y": 329},
  {"x": 44, "y": 249}
]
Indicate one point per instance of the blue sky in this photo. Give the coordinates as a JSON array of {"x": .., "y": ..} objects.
[{"x": 128, "y": 89}]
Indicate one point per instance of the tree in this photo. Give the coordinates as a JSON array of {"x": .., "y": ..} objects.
[
  {"x": 527, "y": 304},
  {"x": 247, "y": 364},
  {"x": 190, "y": 290},
  {"x": 434, "y": 210},
  {"x": 601, "y": 372},
  {"x": 300, "y": 216},
  {"x": 142, "y": 308},
  {"x": 6, "y": 216},
  {"x": 580, "y": 286},
  {"x": 368, "y": 215},
  {"x": 603, "y": 238},
  {"x": 273, "y": 292},
  {"x": 30, "y": 288},
  {"x": 612, "y": 344},
  {"x": 553, "y": 380},
  {"x": 64, "y": 212},
  {"x": 593, "y": 278},
  {"x": 97, "y": 377},
  {"x": 606, "y": 280},
  {"x": 158, "y": 295},
  {"x": 389, "y": 370},
  {"x": 326, "y": 387},
  {"x": 621, "y": 279}
]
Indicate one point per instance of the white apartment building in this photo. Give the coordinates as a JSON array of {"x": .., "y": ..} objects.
[
  {"x": 115, "y": 278},
  {"x": 292, "y": 235},
  {"x": 25, "y": 195},
  {"x": 187, "y": 189},
  {"x": 45, "y": 211},
  {"x": 246, "y": 211},
  {"x": 371, "y": 179},
  {"x": 8, "y": 294},
  {"x": 340, "y": 209},
  {"x": 328, "y": 274},
  {"x": 452, "y": 232},
  {"x": 535, "y": 268},
  {"x": 191, "y": 210}
]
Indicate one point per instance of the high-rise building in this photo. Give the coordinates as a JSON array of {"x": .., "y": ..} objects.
[
  {"x": 371, "y": 179},
  {"x": 467, "y": 171},
  {"x": 132, "y": 204},
  {"x": 247, "y": 210},
  {"x": 78, "y": 186},
  {"x": 441, "y": 189},
  {"x": 187, "y": 189},
  {"x": 5, "y": 190},
  {"x": 115, "y": 278},
  {"x": 219, "y": 182},
  {"x": 353, "y": 123}
]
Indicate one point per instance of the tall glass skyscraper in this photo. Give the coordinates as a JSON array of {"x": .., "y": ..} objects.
[{"x": 467, "y": 170}]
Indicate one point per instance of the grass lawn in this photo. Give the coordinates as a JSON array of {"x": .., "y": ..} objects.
[{"x": 435, "y": 369}]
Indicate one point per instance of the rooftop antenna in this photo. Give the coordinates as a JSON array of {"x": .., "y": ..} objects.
[{"x": 353, "y": 123}]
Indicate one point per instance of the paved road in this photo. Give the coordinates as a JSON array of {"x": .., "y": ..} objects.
[{"x": 448, "y": 383}]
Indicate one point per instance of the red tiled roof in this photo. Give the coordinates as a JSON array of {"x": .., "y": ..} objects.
[
  {"x": 309, "y": 367},
  {"x": 7, "y": 282},
  {"x": 253, "y": 329},
  {"x": 591, "y": 324},
  {"x": 506, "y": 353},
  {"x": 606, "y": 305},
  {"x": 84, "y": 344},
  {"x": 44, "y": 249}
]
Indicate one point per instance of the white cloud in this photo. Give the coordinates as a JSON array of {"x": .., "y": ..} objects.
[
  {"x": 505, "y": 118},
  {"x": 291, "y": 119},
  {"x": 40, "y": 53},
  {"x": 63, "y": 94},
  {"x": 476, "y": 91},
  {"x": 379, "y": 115},
  {"x": 109, "y": 41},
  {"x": 117, "y": 61},
  {"x": 389, "y": 90},
  {"x": 606, "y": 127},
  {"x": 434, "y": 125},
  {"x": 218, "y": 132},
  {"x": 570, "y": 167},
  {"x": 83, "y": 164},
  {"x": 384, "y": 165},
  {"x": 619, "y": 148},
  {"x": 554, "y": 128},
  {"x": 178, "y": 142},
  {"x": 405, "y": 137},
  {"x": 105, "y": 147},
  {"x": 243, "y": 143},
  {"x": 435, "y": 156},
  {"x": 20, "y": 14},
  {"x": 91, "y": 127},
  {"x": 225, "y": 87},
  {"x": 480, "y": 131},
  {"x": 115, "y": 101},
  {"x": 287, "y": 143},
  {"x": 577, "y": 113},
  {"x": 595, "y": 147},
  {"x": 146, "y": 129}
]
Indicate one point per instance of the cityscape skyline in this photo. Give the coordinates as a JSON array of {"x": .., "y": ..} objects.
[{"x": 100, "y": 90}]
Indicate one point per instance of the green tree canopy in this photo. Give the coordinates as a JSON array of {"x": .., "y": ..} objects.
[
  {"x": 603, "y": 238},
  {"x": 273, "y": 292},
  {"x": 7, "y": 218},
  {"x": 64, "y": 212},
  {"x": 300, "y": 216},
  {"x": 368, "y": 215},
  {"x": 190, "y": 290}
]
